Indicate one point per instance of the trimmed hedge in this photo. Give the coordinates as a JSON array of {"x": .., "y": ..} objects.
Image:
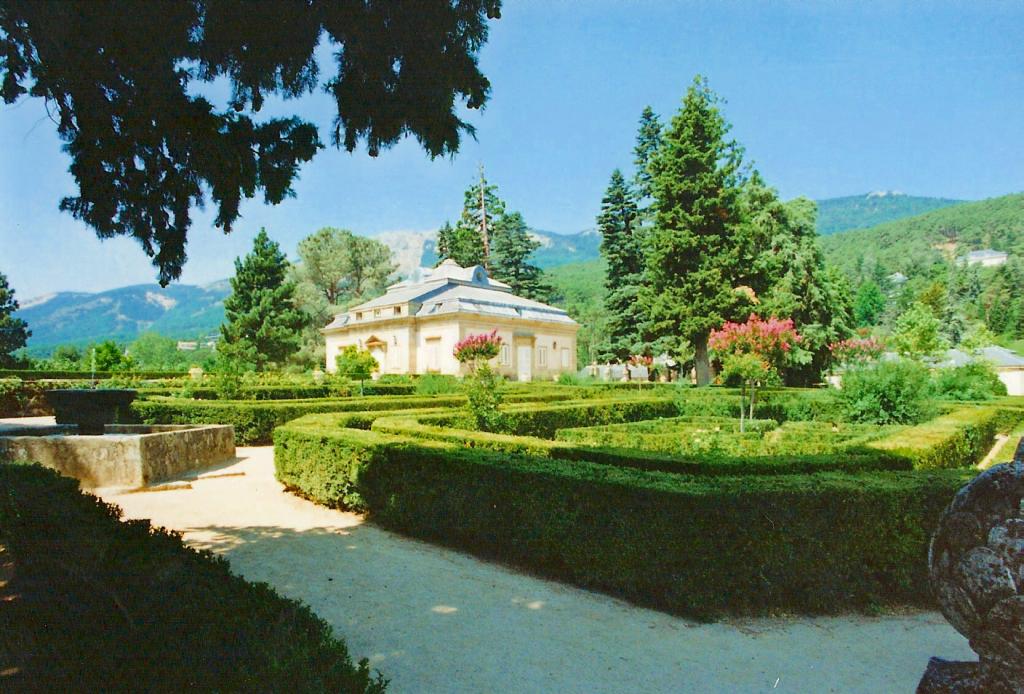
[
  {"x": 254, "y": 420},
  {"x": 105, "y": 605},
  {"x": 690, "y": 545},
  {"x": 782, "y": 405},
  {"x": 960, "y": 438},
  {"x": 418, "y": 425},
  {"x": 36, "y": 375}
]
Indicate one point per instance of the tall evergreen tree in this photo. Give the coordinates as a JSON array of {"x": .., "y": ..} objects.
[
  {"x": 14, "y": 332},
  {"x": 263, "y": 325},
  {"x": 691, "y": 254},
  {"x": 469, "y": 241},
  {"x": 490, "y": 235},
  {"x": 618, "y": 223},
  {"x": 511, "y": 249},
  {"x": 648, "y": 140}
]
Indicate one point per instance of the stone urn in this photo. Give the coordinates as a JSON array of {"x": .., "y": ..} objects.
[
  {"x": 91, "y": 410},
  {"x": 976, "y": 561}
]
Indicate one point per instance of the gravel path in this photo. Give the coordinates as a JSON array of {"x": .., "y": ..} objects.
[{"x": 435, "y": 620}]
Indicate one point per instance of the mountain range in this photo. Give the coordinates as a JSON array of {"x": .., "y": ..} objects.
[{"x": 187, "y": 311}]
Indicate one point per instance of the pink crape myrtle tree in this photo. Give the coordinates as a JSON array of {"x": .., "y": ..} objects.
[
  {"x": 856, "y": 350},
  {"x": 482, "y": 383},
  {"x": 478, "y": 349},
  {"x": 754, "y": 352}
]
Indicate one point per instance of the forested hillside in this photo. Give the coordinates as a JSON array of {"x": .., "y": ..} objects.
[
  {"x": 862, "y": 211},
  {"x": 911, "y": 245}
]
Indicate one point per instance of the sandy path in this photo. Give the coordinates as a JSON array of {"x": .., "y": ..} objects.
[{"x": 434, "y": 620}]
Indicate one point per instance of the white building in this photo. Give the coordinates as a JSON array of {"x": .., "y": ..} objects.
[
  {"x": 1008, "y": 365},
  {"x": 986, "y": 258},
  {"x": 414, "y": 327}
]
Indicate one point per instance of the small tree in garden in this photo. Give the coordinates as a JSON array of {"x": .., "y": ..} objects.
[
  {"x": 355, "y": 364},
  {"x": 482, "y": 382},
  {"x": 856, "y": 350},
  {"x": 754, "y": 352}
]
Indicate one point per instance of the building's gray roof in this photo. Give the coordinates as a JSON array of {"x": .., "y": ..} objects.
[
  {"x": 985, "y": 254},
  {"x": 451, "y": 288},
  {"x": 1000, "y": 357}
]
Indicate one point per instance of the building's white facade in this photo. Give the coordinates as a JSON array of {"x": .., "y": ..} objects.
[
  {"x": 986, "y": 258},
  {"x": 414, "y": 327}
]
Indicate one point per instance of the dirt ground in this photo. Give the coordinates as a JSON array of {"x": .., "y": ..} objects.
[{"x": 435, "y": 620}]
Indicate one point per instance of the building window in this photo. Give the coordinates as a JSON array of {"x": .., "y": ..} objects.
[
  {"x": 398, "y": 310},
  {"x": 566, "y": 361},
  {"x": 359, "y": 316},
  {"x": 542, "y": 356},
  {"x": 376, "y": 313},
  {"x": 505, "y": 359}
]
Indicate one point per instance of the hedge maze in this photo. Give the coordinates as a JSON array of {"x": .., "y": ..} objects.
[{"x": 656, "y": 497}]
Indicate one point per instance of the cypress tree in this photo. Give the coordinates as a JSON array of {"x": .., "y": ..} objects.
[
  {"x": 14, "y": 332},
  {"x": 691, "y": 252},
  {"x": 263, "y": 325},
  {"x": 619, "y": 226},
  {"x": 469, "y": 241}
]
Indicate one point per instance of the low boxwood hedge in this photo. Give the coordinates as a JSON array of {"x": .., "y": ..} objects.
[
  {"x": 957, "y": 439},
  {"x": 105, "y": 605},
  {"x": 696, "y": 546},
  {"x": 254, "y": 420},
  {"x": 422, "y": 425}
]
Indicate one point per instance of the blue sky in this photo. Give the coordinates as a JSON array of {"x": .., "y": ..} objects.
[{"x": 829, "y": 99}]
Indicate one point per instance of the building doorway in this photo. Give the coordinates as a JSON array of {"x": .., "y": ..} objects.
[{"x": 524, "y": 362}]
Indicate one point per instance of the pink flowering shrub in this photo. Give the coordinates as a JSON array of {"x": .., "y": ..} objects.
[
  {"x": 480, "y": 347},
  {"x": 856, "y": 350},
  {"x": 754, "y": 352}
]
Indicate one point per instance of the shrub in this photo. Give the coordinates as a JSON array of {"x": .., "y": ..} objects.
[
  {"x": 689, "y": 545},
  {"x": 975, "y": 381},
  {"x": 106, "y": 605},
  {"x": 436, "y": 384},
  {"x": 887, "y": 392},
  {"x": 569, "y": 379},
  {"x": 483, "y": 398},
  {"x": 355, "y": 364}
]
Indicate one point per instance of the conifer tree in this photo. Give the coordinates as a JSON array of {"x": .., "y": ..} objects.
[
  {"x": 511, "y": 249},
  {"x": 648, "y": 140},
  {"x": 468, "y": 242},
  {"x": 618, "y": 224},
  {"x": 488, "y": 234},
  {"x": 14, "y": 332},
  {"x": 692, "y": 264},
  {"x": 263, "y": 325}
]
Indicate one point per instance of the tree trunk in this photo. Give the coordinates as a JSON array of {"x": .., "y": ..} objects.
[
  {"x": 753, "y": 397},
  {"x": 702, "y": 362},
  {"x": 743, "y": 403}
]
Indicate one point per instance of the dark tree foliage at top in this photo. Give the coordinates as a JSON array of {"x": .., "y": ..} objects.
[
  {"x": 14, "y": 332},
  {"x": 118, "y": 77}
]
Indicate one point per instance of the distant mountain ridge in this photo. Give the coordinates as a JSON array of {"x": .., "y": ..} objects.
[
  {"x": 186, "y": 311},
  {"x": 178, "y": 311}
]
